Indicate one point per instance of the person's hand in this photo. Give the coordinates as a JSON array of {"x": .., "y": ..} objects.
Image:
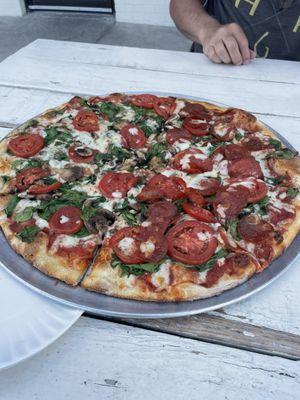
[{"x": 226, "y": 44}]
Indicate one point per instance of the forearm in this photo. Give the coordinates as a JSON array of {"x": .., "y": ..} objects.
[{"x": 191, "y": 19}]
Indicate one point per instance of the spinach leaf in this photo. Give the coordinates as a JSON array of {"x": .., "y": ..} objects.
[
  {"x": 178, "y": 203},
  {"x": 157, "y": 150},
  {"x": 73, "y": 196},
  {"x": 111, "y": 110},
  {"x": 231, "y": 226},
  {"x": 285, "y": 154},
  {"x": 20, "y": 165},
  {"x": 259, "y": 207},
  {"x": 214, "y": 147},
  {"x": 135, "y": 269},
  {"x": 53, "y": 134},
  {"x": 47, "y": 208},
  {"x": 28, "y": 234},
  {"x": 11, "y": 205},
  {"x": 292, "y": 192},
  {"x": 148, "y": 131},
  {"x": 61, "y": 156},
  {"x": 238, "y": 136},
  {"x": 114, "y": 152},
  {"x": 275, "y": 143},
  {"x": 5, "y": 178},
  {"x": 274, "y": 181},
  {"x": 24, "y": 215},
  {"x": 82, "y": 233},
  {"x": 210, "y": 263},
  {"x": 125, "y": 212},
  {"x": 90, "y": 210}
]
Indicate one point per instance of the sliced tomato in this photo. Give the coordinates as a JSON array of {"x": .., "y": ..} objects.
[
  {"x": 115, "y": 185},
  {"x": 162, "y": 214},
  {"x": 208, "y": 186},
  {"x": 43, "y": 188},
  {"x": 86, "y": 121},
  {"x": 66, "y": 220},
  {"x": 195, "y": 110},
  {"x": 143, "y": 100},
  {"x": 235, "y": 152},
  {"x": 164, "y": 106},
  {"x": 26, "y": 145},
  {"x": 192, "y": 161},
  {"x": 199, "y": 213},
  {"x": 230, "y": 201},
  {"x": 75, "y": 103},
  {"x": 178, "y": 135},
  {"x": 163, "y": 187},
  {"x": 253, "y": 228},
  {"x": 191, "y": 242},
  {"x": 81, "y": 154},
  {"x": 195, "y": 197},
  {"x": 28, "y": 176},
  {"x": 133, "y": 137},
  {"x": 245, "y": 168},
  {"x": 138, "y": 244},
  {"x": 196, "y": 126}
]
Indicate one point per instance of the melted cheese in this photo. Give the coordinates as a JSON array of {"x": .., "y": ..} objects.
[
  {"x": 147, "y": 247},
  {"x": 126, "y": 245},
  {"x": 26, "y": 203},
  {"x": 161, "y": 278}
]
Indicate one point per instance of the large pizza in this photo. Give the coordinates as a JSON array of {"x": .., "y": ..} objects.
[{"x": 148, "y": 198}]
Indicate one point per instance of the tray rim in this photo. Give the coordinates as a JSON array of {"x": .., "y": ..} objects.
[{"x": 216, "y": 301}]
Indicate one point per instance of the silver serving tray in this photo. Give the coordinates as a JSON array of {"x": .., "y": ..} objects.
[{"x": 100, "y": 304}]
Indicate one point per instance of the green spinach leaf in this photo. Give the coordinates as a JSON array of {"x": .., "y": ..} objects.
[
  {"x": 28, "y": 234},
  {"x": 11, "y": 205},
  {"x": 24, "y": 215}
]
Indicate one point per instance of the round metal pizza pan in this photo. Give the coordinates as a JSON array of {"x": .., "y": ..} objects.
[{"x": 100, "y": 304}]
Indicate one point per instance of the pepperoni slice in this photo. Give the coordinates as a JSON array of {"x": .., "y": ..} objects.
[
  {"x": 191, "y": 242},
  {"x": 86, "y": 121},
  {"x": 277, "y": 215},
  {"x": 143, "y": 100},
  {"x": 245, "y": 168},
  {"x": 230, "y": 201},
  {"x": 135, "y": 245},
  {"x": 83, "y": 251},
  {"x": 115, "y": 185},
  {"x": 195, "y": 197},
  {"x": 178, "y": 135},
  {"x": 164, "y": 106},
  {"x": 199, "y": 213},
  {"x": 28, "y": 176},
  {"x": 81, "y": 154},
  {"x": 26, "y": 145},
  {"x": 253, "y": 143},
  {"x": 257, "y": 188},
  {"x": 264, "y": 252},
  {"x": 235, "y": 152},
  {"x": 133, "y": 137},
  {"x": 66, "y": 220},
  {"x": 163, "y": 187},
  {"x": 162, "y": 214},
  {"x": 43, "y": 188},
  {"x": 192, "y": 161},
  {"x": 208, "y": 186},
  {"x": 195, "y": 110},
  {"x": 252, "y": 228},
  {"x": 196, "y": 126},
  {"x": 223, "y": 131}
]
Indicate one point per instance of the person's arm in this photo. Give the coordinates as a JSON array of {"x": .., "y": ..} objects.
[{"x": 221, "y": 43}]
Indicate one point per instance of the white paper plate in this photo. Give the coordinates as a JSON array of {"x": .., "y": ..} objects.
[{"x": 29, "y": 322}]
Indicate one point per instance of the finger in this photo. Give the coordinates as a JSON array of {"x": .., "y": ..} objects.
[
  {"x": 252, "y": 54},
  {"x": 211, "y": 54},
  {"x": 233, "y": 50},
  {"x": 222, "y": 53},
  {"x": 242, "y": 41}
]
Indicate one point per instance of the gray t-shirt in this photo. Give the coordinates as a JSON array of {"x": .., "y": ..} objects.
[{"x": 271, "y": 26}]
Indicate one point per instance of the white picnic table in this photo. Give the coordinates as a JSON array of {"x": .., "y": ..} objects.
[{"x": 247, "y": 350}]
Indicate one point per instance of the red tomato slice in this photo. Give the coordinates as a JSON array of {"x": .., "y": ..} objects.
[
  {"x": 196, "y": 126},
  {"x": 208, "y": 186},
  {"x": 245, "y": 168},
  {"x": 133, "y": 137},
  {"x": 66, "y": 220},
  {"x": 195, "y": 197},
  {"x": 143, "y": 100},
  {"x": 252, "y": 228},
  {"x": 81, "y": 154},
  {"x": 201, "y": 214},
  {"x": 163, "y": 187},
  {"x": 41, "y": 189},
  {"x": 191, "y": 242},
  {"x": 28, "y": 176},
  {"x": 162, "y": 214},
  {"x": 164, "y": 106},
  {"x": 192, "y": 161},
  {"x": 229, "y": 203},
  {"x": 86, "y": 121},
  {"x": 178, "y": 134},
  {"x": 235, "y": 152},
  {"x": 26, "y": 145},
  {"x": 135, "y": 245},
  {"x": 75, "y": 103},
  {"x": 115, "y": 185}
]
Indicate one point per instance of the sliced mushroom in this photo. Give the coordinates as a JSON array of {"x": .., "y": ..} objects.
[
  {"x": 72, "y": 173},
  {"x": 100, "y": 221},
  {"x": 83, "y": 151}
]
